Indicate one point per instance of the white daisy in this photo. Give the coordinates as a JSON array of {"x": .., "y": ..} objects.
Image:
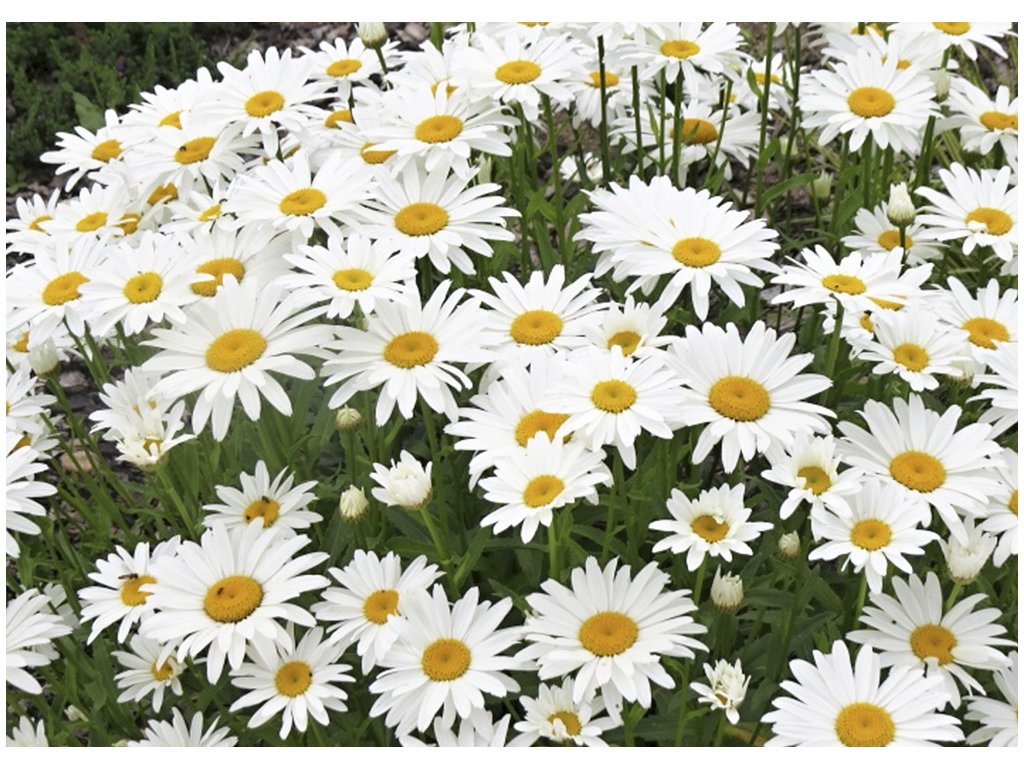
[
  {"x": 1003, "y": 409},
  {"x": 835, "y": 703},
  {"x": 618, "y": 89},
  {"x": 23, "y": 490},
  {"x": 914, "y": 630},
  {"x": 149, "y": 668},
  {"x": 748, "y": 391},
  {"x": 26, "y": 407},
  {"x": 1000, "y": 514},
  {"x": 178, "y": 733},
  {"x": 875, "y": 234},
  {"x": 634, "y": 327},
  {"x": 555, "y": 716},
  {"x": 989, "y": 316},
  {"x": 881, "y": 529},
  {"x": 998, "y": 718},
  {"x": 252, "y": 253},
  {"x": 610, "y": 630},
  {"x": 28, "y": 734},
  {"x": 984, "y": 121},
  {"x": 965, "y": 35},
  {"x": 342, "y": 65},
  {"x": 726, "y": 690},
  {"x": 809, "y": 466},
  {"x": 275, "y": 503},
  {"x": 97, "y": 213},
  {"x": 84, "y": 152},
  {"x": 444, "y": 658},
  {"x": 715, "y": 524},
  {"x": 32, "y": 626},
  {"x": 479, "y": 730},
  {"x": 405, "y": 484},
  {"x": 372, "y": 590},
  {"x": 681, "y": 49},
  {"x": 219, "y": 594},
  {"x": 26, "y": 233}
]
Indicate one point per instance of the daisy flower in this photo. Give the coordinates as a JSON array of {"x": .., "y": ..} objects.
[
  {"x": 227, "y": 348},
  {"x": 748, "y": 391},
  {"x": 26, "y": 233},
  {"x": 1000, "y": 514},
  {"x": 298, "y": 681},
  {"x": 149, "y": 668},
  {"x": 199, "y": 210},
  {"x": 373, "y": 589},
  {"x": 980, "y": 209},
  {"x": 681, "y": 49},
  {"x": 445, "y": 657},
  {"x": 998, "y": 718},
  {"x": 253, "y": 253},
  {"x": 342, "y": 65},
  {"x": 23, "y": 490},
  {"x": 178, "y": 733},
  {"x": 217, "y": 595},
  {"x": 1003, "y": 411},
  {"x": 405, "y": 484},
  {"x": 881, "y": 529},
  {"x": 84, "y": 152},
  {"x": 634, "y": 327},
  {"x": 538, "y": 319},
  {"x": 165, "y": 106},
  {"x": 983, "y": 121},
  {"x": 618, "y": 89},
  {"x": 28, "y": 734},
  {"x": 875, "y": 234},
  {"x": 989, "y": 317},
  {"x": 809, "y": 466},
  {"x": 922, "y": 451},
  {"x": 611, "y": 399},
  {"x": 726, "y": 690},
  {"x": 275, "y": 503},
  {"x": 778, "y": 92},
  {"x": 914, "y": 345},
  {"x": 98, "y": 213},
  {"x": 715, "y": 524},
  {"x": 965, "y": 35},
  {"x": 288, "y": 195},
  {"x": 869, "y": 96},
  {"x": 479, "y": 730},
  {"x": 557, "y": 717},
  {"x": 913, "y": 630},
  {"x": 410, "y": 348},
  {"x": 834, "y": 703},
  {"x": 438, "y": 216},
  {"x": 545, "y": 476},
  {"x": 610, "y": 630},
  {"x": 25, "y": 406},
  {"x": 122, "y": 594},
  {"x": 349, "y": 273},
  {"x": 32, "y": 627}
]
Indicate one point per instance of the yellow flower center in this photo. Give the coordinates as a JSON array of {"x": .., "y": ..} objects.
[
  {"x": 92, "y": 222},
  {"x": 628, "y": 341},
  {"x": 871, "y": 534},
  {"x": 913, "y": 357},
  {"x": 421, "y": 219},
  {"x": 218, "y": 268},
  {"x": 952, "y": 27},
  {"x": 143, "y": 288},
  {"x": 232, "y": 599},
  {"x": 210, "y": 213},
  {"x": 536, "y": 421},
  {"x": 608, "y": 633},
  {"x": 816, "y": 479},
  {"x": 570, "y": 721},
  {"x": 172, "y": 118},
  {"x": 891, "y": 239},
  {"x": 445, "y": 660},
  {"x": 998, "y": 121},
  {"x": 35, "y": 224},
  {"x": 338, "y": 116},
  {"x": 302, "y": 202},
  {"x": 234, "y": 350},
  {"x": 536, "y": 327},
  {"x": 129, "y": 223},
  {"x": 517, "y": 72},
  {"x": 379, "y": 605},
  {"x": 985, "y": 332},
  {"x": 739, "y": 398},
  {"x": 162, "y": 673},
  {"x": 1012, "y": 503},
  {"x": 610, "y": 79},
  {"x": 694, "y": 130},
  {"x": 709, "y": 528},
  {"x": 107, "y": 151},
  {"x": 195, "y": 151},
  {"x": 759, "y": 77},
  {"x": 870, "y": 102},
  {"x": 933, "y": 641},
  {"x": 264, "y": 507},
  {"x": 679, "y": 49},
  {"x": 163, "y": 193},
  {"x": 21, "y": 345},
  {"x": 264, "y": 103},
  {"x": 374, "y": 156},
  {"x": 293, "y": 679},
  {"x": 344, "y": 67},
  {"x": 352, "y": 279},
  {"x": 918, "y": 471},
  {"x": 996, "y": 222},
  {"x": 439, "y": 129},
  {"x": 696, "y": 252},
  {"x": 844, "y": 284},
  {"x": 130, "y": 594},
  {"x": 886, "y": 304},
  {"x": 864, "y": 725},
  {"x": 613, "y": 395},
  {"x": 542, "y": 490},
  {"x": 64, "y": 288},
  {"x": 408, "y": 350}
]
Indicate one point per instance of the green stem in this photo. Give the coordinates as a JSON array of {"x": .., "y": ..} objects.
[
  {"x": 764, "y": 119},
  {"x": 677, "y": 127},
  {"x": 179, "y": 505},
  {"x": 636, "y": 124},
  {"x": 951, "y": 600},
  {"x": 862, "y": 591},
  {"x": 606, "y": 163},
  {"x": 554, "y": 564},
  {"x": 865, "y": 170}
]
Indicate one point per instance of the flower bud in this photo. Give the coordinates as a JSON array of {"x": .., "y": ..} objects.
[
  {"x": 821, "y": 187},
  {"x": 900, "y": 209},
  {"x": 965, "y": 561},
  {"x": 405, "y": 484},
  {"x": 789, "y": 545},
  {"x": 43, "y": 358},
  {"x": 347, "y": 419},
  {"x": 353, "y": 504},
  {"x": 726, "y": 690},
  {"x": 73, "y": 713},
  {"x": 372, "y": 33},
  {"x": 726, "y": 591},
  {"x": 940, "y": 79}
]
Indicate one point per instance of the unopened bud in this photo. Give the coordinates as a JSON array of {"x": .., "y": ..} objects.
[
  {"x": 74, "y": 713},
  {"x": 900, "y": 209},
  {"x": 940, "y": 79},
  {"x": 372, "y": 33},
  {"x": 789, "y": 545},
  {"x": 353, "y": 504},
  {"x": 726, "y": 591},
  {"x": 347, "y": 419},
  {"x": 965, "y": 561},
  {"x": 821, "y": 187},
  {"x": 43, "y": 358}
]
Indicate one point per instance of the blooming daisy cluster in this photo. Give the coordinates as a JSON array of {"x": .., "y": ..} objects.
[{"x": 431, "y": 389}]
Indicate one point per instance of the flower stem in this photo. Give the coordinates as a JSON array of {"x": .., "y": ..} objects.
[{"x": 606, "y": 163}]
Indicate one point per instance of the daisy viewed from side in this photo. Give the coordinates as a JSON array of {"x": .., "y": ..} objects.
[
  {"x": 31, "y": 627},
  {"x": 179, "y": 733},
  {"x": 1000, "y": 515},
  {"x": 998, "y": 718}
]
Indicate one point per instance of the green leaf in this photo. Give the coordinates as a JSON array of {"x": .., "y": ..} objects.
[{"x": 89, "y": 115}]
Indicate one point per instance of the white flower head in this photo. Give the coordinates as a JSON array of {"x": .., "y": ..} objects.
[{"x": 726, "y": 688}]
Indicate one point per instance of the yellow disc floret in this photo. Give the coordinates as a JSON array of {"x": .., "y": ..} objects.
[
  {"x": 143, "y": 288},
  {"x": 264, "y": 103},
  {"x": 537, "y": 421},
  {"x": 446, "y": 660},
  {"x": 918, "y": 471},
  {"x": 844, "y": 284},
  {"x": 816, "y": 480},
  {"x": 542, "y": 490},
  {"x": 64, "y": 288},
  {"x": 996, "y": 222},
  {"x": 613, "y": 395},
  {"x": 985, "y": 332},
  {"x": 696, "y": 252},
  {"x": 293, "y": 678},
  {"x": 517, "y": 72},
  {"x": 871, "y": 534},
  {"x": 408, "y": 350},
  {"x": 739, "y": 398},
  {"x": 933, "y": 641},
  {"x": 263, "y": 507},
  {"x": 438, "y": 129},
  {"x": 130, "y": 593},
  {"x": 107, "y": 150},
  {"x": 608, "y": 633},
  {"x": 195, "y": 151},
  {"x": 354, "y": 279},
  {"x": 421, "y": 219},
  {"x": 679, "y": 49},
  {"x": 232, "y": 599},
  {"x": 234, "y": 350},
  {"x": 536, "y": 327},
  {"x": 627, "y": 341},
  {"x": 379, "y": 605},
  {"x": 710, "y": 528},
  {"x": 870, "y": 102},
  {"x": 302, "y": 202},
  {"x": 864, "y": 725},
  {"x": 217, "y": 268},
  {"x": 913, "y": 357}
]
